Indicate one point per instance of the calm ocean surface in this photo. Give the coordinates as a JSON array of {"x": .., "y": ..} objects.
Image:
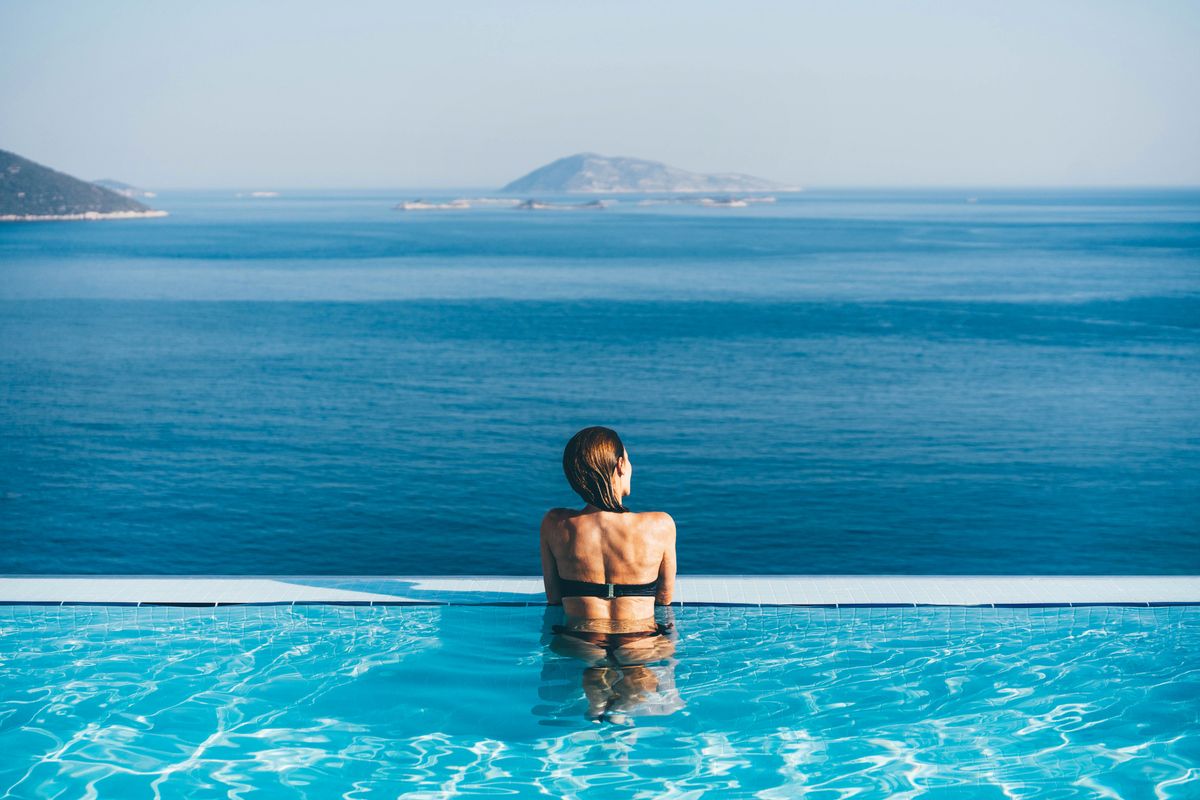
[{"x": 841, "y": 382}]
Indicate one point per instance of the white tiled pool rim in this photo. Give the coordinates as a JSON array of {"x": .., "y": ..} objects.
[{"x": 826, "y": 591}]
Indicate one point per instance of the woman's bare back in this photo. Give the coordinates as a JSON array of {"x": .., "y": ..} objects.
[{"x": 607, "y": 547}]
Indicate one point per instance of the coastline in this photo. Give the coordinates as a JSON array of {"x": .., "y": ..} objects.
[{"x": 86, "y": 216}]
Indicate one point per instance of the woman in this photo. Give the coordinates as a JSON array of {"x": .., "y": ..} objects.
[{"x": 606, "y": 565}]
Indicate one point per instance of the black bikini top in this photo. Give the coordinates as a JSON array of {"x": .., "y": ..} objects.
[{"x": 607, "y": 591}]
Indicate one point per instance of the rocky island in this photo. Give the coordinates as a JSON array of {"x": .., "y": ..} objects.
[
  {"x": 593, "y": 173},
  {"x": 31, "y": 192}
]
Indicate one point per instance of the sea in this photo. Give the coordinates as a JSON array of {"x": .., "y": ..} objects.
[{"x": 950, "y": 381}]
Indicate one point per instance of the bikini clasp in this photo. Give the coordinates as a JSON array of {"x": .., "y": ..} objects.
[{"x": 610, "y": 591}]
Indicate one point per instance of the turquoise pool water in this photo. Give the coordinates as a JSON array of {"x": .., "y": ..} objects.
[{"x": 360, "y": 702}]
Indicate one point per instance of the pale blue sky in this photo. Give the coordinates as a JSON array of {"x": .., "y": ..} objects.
[{"x": 390, "y": 94}]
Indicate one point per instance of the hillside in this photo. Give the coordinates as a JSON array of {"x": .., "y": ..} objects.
[
  {"x": 593, "y": 173},
  {"x": 122, "y": 188},
  {"x": 30, "y": 191}
]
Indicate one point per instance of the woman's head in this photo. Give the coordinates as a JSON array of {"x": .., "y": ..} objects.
[{"x": 598, "y": 468}]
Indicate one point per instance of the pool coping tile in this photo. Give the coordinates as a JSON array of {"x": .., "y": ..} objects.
[{"x": 816, "y": 591}]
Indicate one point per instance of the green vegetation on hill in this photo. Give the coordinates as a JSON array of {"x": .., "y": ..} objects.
[
  {"x": 29, "y": 189},
  {"x": 122, "y": 188},
  {"x": 594, "y": 173}
]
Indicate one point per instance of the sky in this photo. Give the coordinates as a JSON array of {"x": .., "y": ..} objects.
[{"x": 474, "y": 94}]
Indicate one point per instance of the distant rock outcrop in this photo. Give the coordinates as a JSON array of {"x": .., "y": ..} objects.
[
  {"x": 29, "y": 191},
  {"x": 592, "y": 173}
]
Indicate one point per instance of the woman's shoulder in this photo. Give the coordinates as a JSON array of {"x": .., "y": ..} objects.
[
  {"x": 556, "y": 519},
  {"x": 554, "y": 516},
  {"x": 558, "y": 513},
  {"x": 659, "y": 521}
]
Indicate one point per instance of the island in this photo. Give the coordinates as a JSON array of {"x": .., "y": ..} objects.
[
  {"x": 591, "y": 173},
  {"x": 30, "y": 192}
]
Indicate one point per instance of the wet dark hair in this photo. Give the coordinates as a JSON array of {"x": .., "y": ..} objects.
[{"x": 588, "y": 462}]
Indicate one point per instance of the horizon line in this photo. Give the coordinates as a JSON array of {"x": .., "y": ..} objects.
[{"x": 803, "y": 190}]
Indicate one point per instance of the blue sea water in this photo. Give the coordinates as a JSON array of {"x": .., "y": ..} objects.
[
  {"x": 840, "y": 382},
  {"x": 439, "y": 702}
]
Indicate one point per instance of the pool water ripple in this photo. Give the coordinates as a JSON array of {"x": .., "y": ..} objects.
[{"x": 324, "y": 701}]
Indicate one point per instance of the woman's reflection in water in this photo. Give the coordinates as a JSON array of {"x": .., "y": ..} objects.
[
  {"x": 623, "y": 677},
  {"x": 621, "y": 681}
]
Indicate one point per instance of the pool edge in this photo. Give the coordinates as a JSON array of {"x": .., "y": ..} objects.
[{"x": 817, "y": 591}]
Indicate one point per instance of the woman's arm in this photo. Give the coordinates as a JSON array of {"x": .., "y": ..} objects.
[
  {"x": 666, "y": 571},
  {"x": 549, "y": 566}
]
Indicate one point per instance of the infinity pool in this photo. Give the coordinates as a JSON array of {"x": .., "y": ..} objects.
[{"x": 328, "y": 701}]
